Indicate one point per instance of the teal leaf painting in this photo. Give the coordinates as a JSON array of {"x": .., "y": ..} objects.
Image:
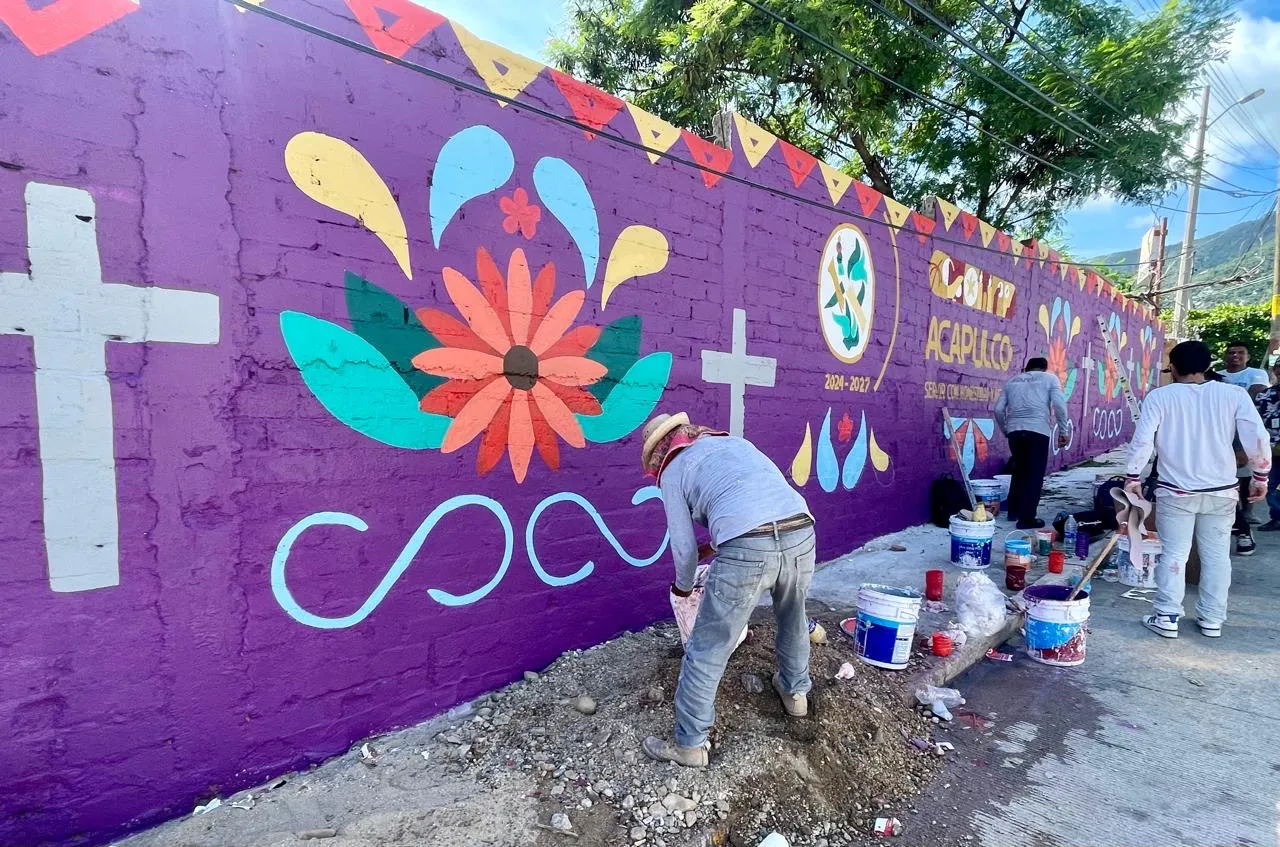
[
  {"x": 856, "y": 461},
  {"x": 631, "y": 402},
  {"x": 381, "y": 319},
  {"x": 617, "y": 349},
  {"x": 828, "y": 464},
  {"x": 357, "y": 385}
]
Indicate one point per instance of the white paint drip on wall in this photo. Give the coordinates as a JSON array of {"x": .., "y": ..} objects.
[
  {"x": 70, "y": 313},
  {"x": 738, "y": 370}
]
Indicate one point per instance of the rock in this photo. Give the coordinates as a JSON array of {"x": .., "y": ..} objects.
[
  {"x": 560, "y": 822},
  {"x": 670, "y": 783},
  {"x": 628, "y": 802},
  {"x": 501, "y": 720},
  {"x": 530, "y": 676},
  {"x": 676, "y": 803},
  {"x": 309, "y": 834},
  {"x": 722, "y": 805},
  {"x": 690, "y": 819},
  {"x": 584, "y": 705},
  {"x": 450, "y": 738},
  {"x": 639, "y": 833},
  {"x": 585, "y": 803},
  {"x": 630, "y": 757},
  {"x": 654, "y": 694},
  {"x": 557, "y": 789},
  {"x": 752, "y": 683},
  {"x": 899, "y": 548},
  {"x": 485, "y": 712},
  {"x": 538, "y": 732},
  {"x": 656, "y": 810}
]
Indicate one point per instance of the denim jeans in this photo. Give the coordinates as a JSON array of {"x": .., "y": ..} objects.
[
  {"x": 1273, "y": 490},
  {"x": 743, "y": 570},
  {"x": 1207, "y": 521}
]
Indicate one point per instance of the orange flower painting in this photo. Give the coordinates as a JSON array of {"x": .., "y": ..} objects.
[
  {"x": 521, "y": 215},
  {"x": 516, "y": 368}
]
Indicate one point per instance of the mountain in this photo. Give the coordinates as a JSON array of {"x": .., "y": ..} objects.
[{"x": 1217, "y": 257}]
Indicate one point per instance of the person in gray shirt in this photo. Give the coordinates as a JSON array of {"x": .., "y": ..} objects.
[
  {"x": 763, "y": 538},
  {"x": 1022, "y": 412}
]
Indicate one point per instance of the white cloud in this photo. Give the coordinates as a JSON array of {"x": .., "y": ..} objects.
[
  {"x": 1140, "y": 222},
  {"x": 1100, "y": 204},
  {"x": 1253, "y": 62}
]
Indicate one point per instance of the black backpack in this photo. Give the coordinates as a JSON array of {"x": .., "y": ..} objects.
[{"x": 946, "y": 497}]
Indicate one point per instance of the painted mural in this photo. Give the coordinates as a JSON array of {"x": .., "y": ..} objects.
[{"x": 326, "y": 343}]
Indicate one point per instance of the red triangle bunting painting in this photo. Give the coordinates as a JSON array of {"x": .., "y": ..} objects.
[
  {"x": 590, "y": 105},
  {"x": 710, "y": 155},
  {"x": 800, "y": 163},
  {"x": 923, "y": 225},
  {"x": 968, "y": 223},
  {"x": 54, "y": 25},
  {"x": 393, "y": 26},
  {"x": 868, "y": 197}
]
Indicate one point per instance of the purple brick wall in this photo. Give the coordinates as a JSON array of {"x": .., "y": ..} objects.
[{"x": 161, "y": 638}]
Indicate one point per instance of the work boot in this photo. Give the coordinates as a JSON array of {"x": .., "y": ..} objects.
[
  {"x": 795, "y": 705},
  {"x": 661, "y": 750}
]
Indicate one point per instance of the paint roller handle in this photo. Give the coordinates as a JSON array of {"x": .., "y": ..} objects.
[{"x": 1088, "y": 574}]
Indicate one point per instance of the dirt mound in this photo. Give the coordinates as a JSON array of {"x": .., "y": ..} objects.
[{"x": 818, "y": 780}]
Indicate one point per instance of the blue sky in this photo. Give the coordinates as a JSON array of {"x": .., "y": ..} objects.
[{"x": 1102, "y": 225}]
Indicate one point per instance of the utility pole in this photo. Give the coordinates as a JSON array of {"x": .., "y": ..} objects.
[
  {"x": 1274, "y": 346},
  {"x": 1183, "y": 303},
  {"x": 1163, "y": 235}
]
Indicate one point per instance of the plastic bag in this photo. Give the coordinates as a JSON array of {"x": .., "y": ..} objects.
[
  {"x": 686, "y": 608},
  {"x": 929, "y": 694},
  {"x": 979, "y": 605}
]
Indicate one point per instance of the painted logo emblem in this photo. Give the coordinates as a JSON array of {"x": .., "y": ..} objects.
[{"x": 846, "y": 293}]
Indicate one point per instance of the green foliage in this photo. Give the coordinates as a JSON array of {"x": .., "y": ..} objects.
[
  {"x": 1221, "y": 325},
  {"x": 686, "y": 60}
]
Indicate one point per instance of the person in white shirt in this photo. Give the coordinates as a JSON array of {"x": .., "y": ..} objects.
[
  {"x": 1191, "y": 423},
  {"x": 1238, "y": 372}
]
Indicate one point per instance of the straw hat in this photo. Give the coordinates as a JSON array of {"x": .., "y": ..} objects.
[{"x": 657, "y": 429}]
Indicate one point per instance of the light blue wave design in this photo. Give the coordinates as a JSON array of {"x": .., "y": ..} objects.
[
  {"x": 565, "y": 195},
  {"x": 828, "y": 464},
  {"x": 475, "y": 161},
  {"x": 856, "y": 461},
  {"x": 280, "y": 588},
  {"x": 641, "y": 496}
]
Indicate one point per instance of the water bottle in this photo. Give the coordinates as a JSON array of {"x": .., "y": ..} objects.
[{"x": 1070, "y": 532}]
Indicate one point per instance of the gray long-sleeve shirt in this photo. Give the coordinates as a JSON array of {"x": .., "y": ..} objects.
[
  {"x": 1026, "y": 401},
  {"x": 727, "y": 485}
]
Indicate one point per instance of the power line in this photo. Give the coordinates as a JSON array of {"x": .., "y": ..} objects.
[{"x": 319, "y": 32}]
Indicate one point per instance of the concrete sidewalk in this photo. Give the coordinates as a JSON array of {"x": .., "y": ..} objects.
[
  {"x": 1149, "y": 742},
  {"x": 927, "y": 547}
]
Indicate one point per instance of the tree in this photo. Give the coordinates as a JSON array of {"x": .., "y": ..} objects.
[
  {"x": 1221, "y": 325},
  {"x": 685, "y": 60}
]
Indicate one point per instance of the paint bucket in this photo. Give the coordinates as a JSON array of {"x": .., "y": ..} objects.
[
  {"x": 990, "y": 493},
  {"x": 885, "y": 626},
  {"x": 971, "y": 542},
  {"x": 1044, "y": 541},
  {"x": 1006, "y": 482},
  {"x": 1055, "y": 629},
  {"x": 1057, "y": 561},
  {"x": 1143, "y": 576}
]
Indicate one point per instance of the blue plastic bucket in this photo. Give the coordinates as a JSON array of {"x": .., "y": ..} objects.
[
  {"x": 885, "y": 626},
  {"x": 971, "y": 543},
  {"x": 1055, "y": 629}
]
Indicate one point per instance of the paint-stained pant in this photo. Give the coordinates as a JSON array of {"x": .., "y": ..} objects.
[
  {"x": 743, "y": 570},
  {"x": 1205, "y": 520}
]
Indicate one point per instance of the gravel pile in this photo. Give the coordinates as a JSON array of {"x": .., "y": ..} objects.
[{"x": 576, "y": 730}]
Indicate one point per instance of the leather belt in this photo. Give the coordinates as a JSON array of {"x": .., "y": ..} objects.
[{"x": 776, "y": 528}]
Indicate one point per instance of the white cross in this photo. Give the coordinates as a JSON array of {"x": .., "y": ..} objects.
[
  {"x": 70, "y": 313},
  {"x": 738, "y": 370}
]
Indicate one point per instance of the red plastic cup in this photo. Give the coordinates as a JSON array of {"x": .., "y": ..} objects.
[
  {"x": 941, "y": 644},
  {"x": 933, "y": 585},
  {"x": 1057, "y": 561}
]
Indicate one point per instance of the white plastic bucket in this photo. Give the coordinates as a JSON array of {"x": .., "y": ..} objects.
[
  {"x": 989, "y": 492},
  {"x": 971, "y": 543},
  {"x": 1144, "y": 575},
  {"x": 885, "y": 626},
  {"x": 1055, "y": 629},
  {"x": 1006, "y": 482}
]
